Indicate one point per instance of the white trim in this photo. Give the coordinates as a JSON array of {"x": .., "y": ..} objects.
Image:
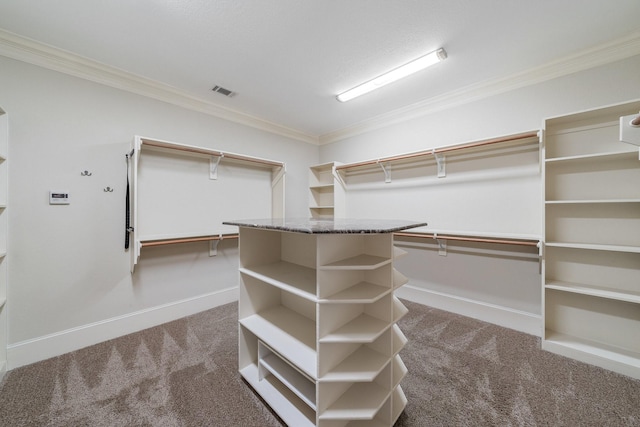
[
  {"x": 45, "y": 347},
  {"x": 503, "y": 316},
  {"x": 33, "y": 52},
  {"x": 616, "y": 50},
  {"x": 46, "y": 56}
]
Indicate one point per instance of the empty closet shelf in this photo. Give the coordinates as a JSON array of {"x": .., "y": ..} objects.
[{"x": 290, "y": 333}]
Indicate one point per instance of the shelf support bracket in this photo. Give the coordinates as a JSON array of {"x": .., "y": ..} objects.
[
  {"x": 387, "y": 171},
  {"x": 214, "y": 161},
  {"x": 440, "y": 162},
  {"x": 213, "y": 246},
  {"x": 442, "y": 245}
]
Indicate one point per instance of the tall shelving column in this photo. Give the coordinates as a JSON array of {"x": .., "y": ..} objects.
[
  {"x": 322, "y": 191},
  {"x": 591, "y": 262},
  {"x": 318, "y": 338},
  {"x": 4, "y": 150}
]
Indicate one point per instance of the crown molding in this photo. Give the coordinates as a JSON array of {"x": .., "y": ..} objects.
[
  {"x": 616, "y": 50},
  {"x": 30, "y": 51}
]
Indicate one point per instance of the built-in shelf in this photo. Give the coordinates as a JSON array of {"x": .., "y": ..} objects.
[
  {"x": 363, "y": 365},
  {"x": 588, "y": 202},
  {"x": 317, "y": 337},
  {"x": 362, "y": 329},
  {"x": 595, "y": 156},
  {"x": 597, "y": 291},
  {"x": 598, "y": 349},
  {"x": 291, "y": 333},
  {"x": 362, "y": 292},
  {"x": 358, "y": 262},
  {"x": 155, "y": 220},
  {"x": 288, "y": 276},
  {"x": 361, "y": 401},
  {"x": 4, "y": 228},
  {"x": 591, "y": 257},
  {"x": 594, "y": 247}
]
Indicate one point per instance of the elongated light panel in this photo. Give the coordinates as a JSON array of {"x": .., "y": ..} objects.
[{"x": 395, "y": 74}]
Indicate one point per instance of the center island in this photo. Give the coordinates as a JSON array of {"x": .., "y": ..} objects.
[{"x": 318, "y": 339}]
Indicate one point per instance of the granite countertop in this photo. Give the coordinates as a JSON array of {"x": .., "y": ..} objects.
[{"x": 328, "y": 226}]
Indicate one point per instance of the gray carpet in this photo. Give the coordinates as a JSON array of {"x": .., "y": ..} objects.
[{"x": 184, "y": 373}]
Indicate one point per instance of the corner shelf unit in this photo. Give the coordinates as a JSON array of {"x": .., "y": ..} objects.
[
  {"x": 4, "y": 178},
  {"x": 591, "y": 261},
  {"x": 318, "y": 338},
  {"x": 322, "y": 191}
]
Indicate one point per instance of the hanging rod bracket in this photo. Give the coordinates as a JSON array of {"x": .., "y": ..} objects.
[
  {"x": 213, "y": 245},
  {"x": 440, "y": 162},
  {"x": 442, "y": 245},
  {"x": 386, "y": 169},
  {"x": 214, "y": 161}
]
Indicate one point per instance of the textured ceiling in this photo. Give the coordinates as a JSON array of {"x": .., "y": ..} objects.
[{"x": 287, "y": 59}]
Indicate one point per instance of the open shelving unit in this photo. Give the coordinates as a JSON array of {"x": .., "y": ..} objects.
[
  {"x": 4, "y": 154},
  {"x": 162, "y": 213},
  {"x": 324, "y": 195},
  {"x": 318, "y": 338},
  {"x": 591, "y": 262}
]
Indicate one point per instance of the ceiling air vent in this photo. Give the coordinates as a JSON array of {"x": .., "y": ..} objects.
[{"x": 223, "y": 91}]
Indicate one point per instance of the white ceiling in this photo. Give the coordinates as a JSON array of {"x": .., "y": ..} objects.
[{"x": 287, "y": 59}]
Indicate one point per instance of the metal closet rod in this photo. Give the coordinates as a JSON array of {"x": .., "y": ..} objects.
[
  {"x": 515, "y": 137},
  {"x": 470, "y": 239},
  {"x": 212, "y": 153},
  {"x": 188, "y": 240}
]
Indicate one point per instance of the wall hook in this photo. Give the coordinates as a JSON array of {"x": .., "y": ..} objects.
[
  {"x": 108, "y": 190},
  {"x": 85, "y": 173}
]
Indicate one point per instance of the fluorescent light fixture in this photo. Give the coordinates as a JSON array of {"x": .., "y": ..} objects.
[{"x": 395, "y": 74}]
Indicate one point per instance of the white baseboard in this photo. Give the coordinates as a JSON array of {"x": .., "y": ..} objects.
[
  {"x": 41, "y": 348},
  {"x": 503, "y": 316}
]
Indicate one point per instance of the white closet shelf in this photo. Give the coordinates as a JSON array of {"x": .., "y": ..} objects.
[
  {"x": 399, "y": 370},
  {"x": 362, "y": 329},
  {"x": 361, "y": 401},
  {"x": 363, "y": 365},
  {"x": 282, "y": 400},
  {"x": 359, "y": 262},
  {"x": 591, "y": 201},
  {"x": 594, "y": 247},
  {"x": 291, "y": 333},
  {"x": 399, "y": 402},
  {"x": 290, "y": 377},
  {"x": 290, "y": 277},
  {"x": 399, "y": 310},
  {"x": 614, "y": 155},
  {"x": 321, "y": 187},
  {"x": 363, "y": 292},
  {"x": 399, "y": 279},
  {"x": 321, "y": 207},
  {"x": 516, "y": 138},
  {"x": 3, "y": 254},
  {"x": 598, "y": 291},
  {"x": 398, "y": 252},
  {"x": 399, "y": 339},
  {"x": 167, "y": 145},
  {"x": 631, "y": 358}
]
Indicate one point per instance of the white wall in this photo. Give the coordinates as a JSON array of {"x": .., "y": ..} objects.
[
  {"x": 489, "y": 194},
  {"x": 69, "y": 278}
]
